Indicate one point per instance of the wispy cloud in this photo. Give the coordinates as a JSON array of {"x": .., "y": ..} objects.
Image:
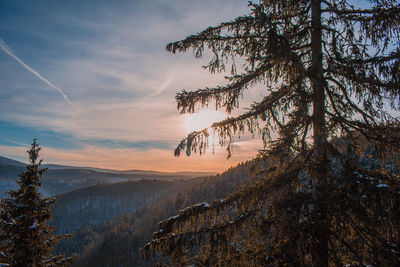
[
  {"x": 170, "y": 78},
  {"x": 112, "y": 59},
  {"x": 11, "y": 53},
  {"x": 16, "y": 143},
  {"x": 162, "y": 88}
]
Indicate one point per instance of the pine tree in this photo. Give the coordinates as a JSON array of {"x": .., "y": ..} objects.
[
  {"x": 330, "y": 71},
  {"x": 26, "y": 237}
]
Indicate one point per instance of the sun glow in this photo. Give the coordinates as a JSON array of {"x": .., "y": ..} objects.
[{"x": 203, "y": 119}]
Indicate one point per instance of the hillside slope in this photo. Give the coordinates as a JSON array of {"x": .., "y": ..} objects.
[
  {"x": 119, "y": 242},
  {"x": 60, "y": 179}
]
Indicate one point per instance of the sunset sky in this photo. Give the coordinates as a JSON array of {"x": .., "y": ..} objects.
[{"x": 93, "y": 82}]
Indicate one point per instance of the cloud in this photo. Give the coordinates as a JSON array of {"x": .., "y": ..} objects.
[
  {"x": 164, "y": 86},
  {"x": 11, "y": 53},
  {"x": 112, "y": 59}
]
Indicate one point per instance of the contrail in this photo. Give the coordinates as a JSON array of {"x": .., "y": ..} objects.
[
  {"x": 11, "y": 53},
  {"x": 163, "y": 87},
  {"x": 167, "y": 82}
]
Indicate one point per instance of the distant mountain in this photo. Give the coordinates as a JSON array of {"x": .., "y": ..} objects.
[
  {"x": 132, "y": 172},
  {"x": 60, "y": 178},
  {"x": 11, "y": 162},
  {"x": 135, "y": 172}
]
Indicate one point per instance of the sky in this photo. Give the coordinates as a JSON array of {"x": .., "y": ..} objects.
[{"x": 92, "y": 81}]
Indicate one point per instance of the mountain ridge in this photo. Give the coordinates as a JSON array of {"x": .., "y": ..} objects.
[
  {"x": 61, "y": 178},
  {"x": 12, "y": 162}
]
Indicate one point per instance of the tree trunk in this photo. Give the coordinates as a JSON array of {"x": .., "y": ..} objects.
[{"x": 320, "y": 231}]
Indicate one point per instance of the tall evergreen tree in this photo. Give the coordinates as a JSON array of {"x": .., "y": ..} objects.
[
  {"x": 330, "y": 69},
  {"x": 26, "y": 237}
]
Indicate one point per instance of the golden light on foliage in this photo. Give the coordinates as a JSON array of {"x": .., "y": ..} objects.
[{"x": 201, "y": 120}]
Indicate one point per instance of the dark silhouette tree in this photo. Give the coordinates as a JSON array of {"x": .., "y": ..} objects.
[
  {"x": 26, "y": 238},
  {"x": 329, "y": 70}
]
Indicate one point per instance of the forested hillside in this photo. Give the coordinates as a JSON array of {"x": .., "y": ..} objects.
[
  {"x": 98, "y": 204},
  {"x": 119, "y": 242}
]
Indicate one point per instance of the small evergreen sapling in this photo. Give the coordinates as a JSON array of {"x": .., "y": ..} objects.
[{"x": 26, "y": 237}]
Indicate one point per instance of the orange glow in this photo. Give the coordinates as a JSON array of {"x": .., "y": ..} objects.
[
  {"x": 128, "y": 159},
  {"x": 201, "y": 120}
]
